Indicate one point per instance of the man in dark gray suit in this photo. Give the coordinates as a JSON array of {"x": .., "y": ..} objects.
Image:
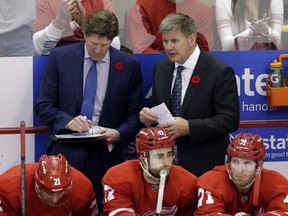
[{"x": 207, "y": 107}]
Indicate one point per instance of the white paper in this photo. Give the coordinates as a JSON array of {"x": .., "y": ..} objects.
[
  {"x": 163, "y": 113},
  {"x": 94, "y": 129}
]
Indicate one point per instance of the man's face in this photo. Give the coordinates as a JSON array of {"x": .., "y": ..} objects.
[
  {"x": 178, "y": 47},
  {"x": 50, "y": 199},
  {"x": 160, "y": 159},
  {"x": 97, "y": 47},
  {"x": 242, "y": 171}
]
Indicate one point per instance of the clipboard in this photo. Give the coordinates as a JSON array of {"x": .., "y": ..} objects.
[{"x": 78, "y": 137}]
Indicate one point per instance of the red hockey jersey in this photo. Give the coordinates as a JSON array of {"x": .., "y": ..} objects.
[
  {"x": 218, "y": 194},
  {"x": 126, "y": 191},
  {"x": 82, "y": 202}
]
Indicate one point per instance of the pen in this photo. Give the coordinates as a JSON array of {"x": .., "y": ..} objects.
[{"x": 90, "y": 131}]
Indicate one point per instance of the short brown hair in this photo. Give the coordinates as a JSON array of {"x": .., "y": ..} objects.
[{"x": 103, "y": 23}]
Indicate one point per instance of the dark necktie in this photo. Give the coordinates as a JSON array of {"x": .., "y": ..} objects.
[
  {"x": 177, "y": 93},
  {"x": 87, "y": 107}
]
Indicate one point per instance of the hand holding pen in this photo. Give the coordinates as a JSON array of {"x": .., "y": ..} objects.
[{"x": 80, "y": 124}]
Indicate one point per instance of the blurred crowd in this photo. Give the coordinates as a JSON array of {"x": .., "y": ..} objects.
[{"x": 34, "y": 27}]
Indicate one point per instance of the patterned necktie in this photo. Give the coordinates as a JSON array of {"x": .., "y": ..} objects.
[
  {"x": 87, "y": 107},
  {"x": 177, "y": 93}
]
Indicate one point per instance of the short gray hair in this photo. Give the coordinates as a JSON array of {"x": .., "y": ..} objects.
[{"x": 178, "y": 22}]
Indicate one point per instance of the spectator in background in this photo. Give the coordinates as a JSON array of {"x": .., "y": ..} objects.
[
  {"x": 135, "y": 192},
  {"x": 52, "y": 188},
  {"x": 143, "y": 20},
  {"x": 204, "y": 99},
  {"x": 60, "y": 22},
  {"x": 62, "y": 102},
  {"x": 248, "y": 18},
  {"x": 16, "y": 27},
  {"x": 243, "y": 187}
]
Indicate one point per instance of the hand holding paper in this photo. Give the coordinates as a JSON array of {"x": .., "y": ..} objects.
[{"x": 163, "y": 113}]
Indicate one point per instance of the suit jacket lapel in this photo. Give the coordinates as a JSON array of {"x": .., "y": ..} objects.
[
  {"x": 112, "y": 80},
  {"x": 167, "y": 82},
  {"x": 76, "y": 67},
  {"x": 196, "y": 81}
]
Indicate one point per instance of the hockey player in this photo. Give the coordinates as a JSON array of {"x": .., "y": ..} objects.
[
  {"x": 243, "y": 187},
  {"x": 52, "y": 188},
  {"x": 138, "y": 187}
]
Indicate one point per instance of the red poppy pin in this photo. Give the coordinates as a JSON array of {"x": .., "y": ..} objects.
[
  {"x": 195, "y": 79},
  {"x": 119, "y": 66}
]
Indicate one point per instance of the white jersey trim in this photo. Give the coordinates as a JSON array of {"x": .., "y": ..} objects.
[{"x": 121, "y": 210}]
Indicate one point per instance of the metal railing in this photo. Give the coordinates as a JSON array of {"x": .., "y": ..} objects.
[{"x": 243, "y": 124}]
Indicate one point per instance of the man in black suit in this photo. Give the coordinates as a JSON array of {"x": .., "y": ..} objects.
[{"x": 208, "y": 107}]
